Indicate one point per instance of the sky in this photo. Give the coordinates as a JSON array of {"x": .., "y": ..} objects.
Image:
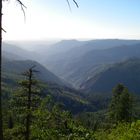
[{"x": 52, "y": 19}]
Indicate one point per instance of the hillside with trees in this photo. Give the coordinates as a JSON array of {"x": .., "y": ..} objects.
[
  {"x": 126, "y": 72},
  {"x": 31, "y": 115},
  {"x": 57, "y": 82},
  {"x": 58, "y": 111}
]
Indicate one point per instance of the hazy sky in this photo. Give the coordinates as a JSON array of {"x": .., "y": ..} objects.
[{"x": 53, "y": 19}]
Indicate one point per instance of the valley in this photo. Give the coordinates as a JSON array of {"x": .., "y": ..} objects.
[
  {"x": 76, "y": 77},
  {"x": 77, "y": 70},
  {"x": 81, "y": 64}
]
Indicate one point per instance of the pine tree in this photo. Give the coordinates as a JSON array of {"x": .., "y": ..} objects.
[
  {"x": 1, "y": 29},
  {"x": 121, "y": 104},
  {"x": 25, "y": 101}
]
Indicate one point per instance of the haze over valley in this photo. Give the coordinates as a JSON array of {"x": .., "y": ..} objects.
[
  {"x": 70, "y": 70},
  {"x": 82, "y": 64}
]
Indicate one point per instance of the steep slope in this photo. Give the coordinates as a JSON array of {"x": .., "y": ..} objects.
[
  {"x": 70, "y": 98},
  {"x": 96, "y": 60},
  {"x": 55, "y": 51},
  {"x": 16, "y": 67},
  {"x": 79, "y": 63},
  {"x": 127, "y": 72},
  {"x": 61, "y": 46},
  {"x": 68, "y": 52},
  {"x": 14, "y": 52},
  {"x": 12, "y": 56},
  {"x": 76, "y": 48},
  {"x": 89, "y": 64}
]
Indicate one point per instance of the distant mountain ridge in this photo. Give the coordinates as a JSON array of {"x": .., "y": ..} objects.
[
  {"x": 77, "y": 69},
  {"x": 97, "y": 59},
  {"x": 77, "y": 62},
  {"x": 17, "y": 67},
  {"x": 12, "y": 73},
  {"x": 126, "y": 72},
  {"x": 14, "y": 52}
]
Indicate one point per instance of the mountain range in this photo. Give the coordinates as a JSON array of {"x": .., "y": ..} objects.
[
  {"x": 14, "y": 65},
  {"x": 85, "y": 64},
  {"x": 126, "y": 73},
  {"x": 81, "y": 63}
]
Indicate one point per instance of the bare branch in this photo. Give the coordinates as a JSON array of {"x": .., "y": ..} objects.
[
  {"x": 21, "y": 4},
  {"x": 23, "y": 7},
  {"x": 74, "y": 2},
  {"x": 32, "y": 67},
  {"x": 69, "y": 5},
  {"x": 3, "y": 30}
]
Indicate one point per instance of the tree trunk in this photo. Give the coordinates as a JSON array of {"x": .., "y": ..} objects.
[
  {"x": 28, "y": 119},
  {"x": 1, "y": 122}
]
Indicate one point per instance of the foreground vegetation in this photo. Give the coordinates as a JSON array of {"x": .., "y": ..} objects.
[
  {"x": 28, "y": 115},
  {"x": 122, "y": 131}
]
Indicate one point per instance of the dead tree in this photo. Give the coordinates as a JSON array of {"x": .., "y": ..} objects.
[
  {"x": 25, "y": 101},
  {"x": 1, "y": 29},
  {"x": 1, "y": 122},
  {"x": 29, "y": 84}
]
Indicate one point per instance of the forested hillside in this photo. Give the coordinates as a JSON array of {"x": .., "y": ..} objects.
[
  {"x": 126, "y": 72},
  {"x": 98, "y": 109},
  {"x": 79, "y": 69},
  {"x": 69, "y": 70},
  {"x": 17, "y": 67},
  {"x": 13, "y": 71}
]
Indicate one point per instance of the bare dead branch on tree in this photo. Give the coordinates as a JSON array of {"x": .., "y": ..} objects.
[
  {"x": 69, "y": 5},
  {"x": 74, "y": 2},
  {"x": 26, "y": 73},
  {"x": 33, "y": 69},
  {"x": 3, "y": 30},
  {"x": 23, "y": 7}
]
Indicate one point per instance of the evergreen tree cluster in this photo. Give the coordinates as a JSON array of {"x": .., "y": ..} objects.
[{"x": 31, "y": 116}]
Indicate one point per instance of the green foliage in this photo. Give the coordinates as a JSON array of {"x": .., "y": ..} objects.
[
  {"x": 24, "y": 102},
  {"x": 16, "y": 133},
  {"x": 121, "y": 104},
  {"x": 50, "y": 120},
  {"x": 123, "y": 131},
  {"x": 53, "y": 123},
  {"x": 92, "y": 120}
]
